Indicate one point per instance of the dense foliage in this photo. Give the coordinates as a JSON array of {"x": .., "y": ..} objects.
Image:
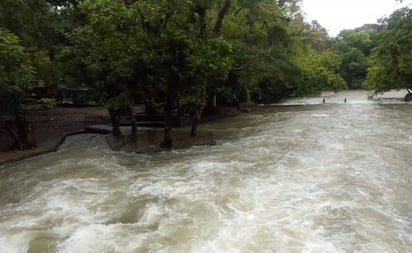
[
  {"x": 391, "y": 61},
  {"x": 183, "y": 53},
  {"x": 15, "y": 75}
]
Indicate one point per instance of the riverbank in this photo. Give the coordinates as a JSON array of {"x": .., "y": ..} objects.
[
  {"x": 54, "y": 125},
  {"x": 50, "y": 142},
  {"x": 349, "y": 97}
]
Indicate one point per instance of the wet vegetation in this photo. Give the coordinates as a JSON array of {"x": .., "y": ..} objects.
[{"x": 189, "y": 54}]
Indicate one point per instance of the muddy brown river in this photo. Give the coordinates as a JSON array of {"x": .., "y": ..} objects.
[{"x": 312, "y": 178}]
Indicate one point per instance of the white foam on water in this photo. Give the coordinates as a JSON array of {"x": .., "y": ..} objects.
[
  {"x": 101, "y": 238},
  {"x": 285, "y": 183},
  {"x": 14, "y": 243},
  {"x": 320, "y": 115}
]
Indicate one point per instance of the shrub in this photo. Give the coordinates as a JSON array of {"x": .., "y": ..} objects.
[{"x": 48, "y": 102}]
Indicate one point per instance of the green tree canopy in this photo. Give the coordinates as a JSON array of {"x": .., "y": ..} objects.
[
  {"x": 391, "y": 61},
  {"x": 15, "y": 75}
]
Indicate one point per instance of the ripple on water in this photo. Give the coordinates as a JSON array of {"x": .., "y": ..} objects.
[{"x": 306, "y": 179}]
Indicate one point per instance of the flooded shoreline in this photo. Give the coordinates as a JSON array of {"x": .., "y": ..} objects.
[{"x": 281, "y": 179}]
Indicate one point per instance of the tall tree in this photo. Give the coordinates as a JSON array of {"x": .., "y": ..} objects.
[
  {"x": 391, "y": 60},
  {"x": 112, "y": 59},
  {"x": 164, "y": 26},
  {"x": 262, "y": 67},
  {"x": 209, "y": 57},
  {"x": 15, "y": 79},
  {"x": 318, "y": 63}
]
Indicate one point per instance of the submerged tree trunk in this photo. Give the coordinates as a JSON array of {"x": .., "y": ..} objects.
[
  {"x": 196, "y": 115},
  {"x": 167, "y": 141},
  {"x": 115, "y": 119},
  {"x": 132, "y": 118},
  {"x": 130, "y": 113},
  {"x": 133, "y": 122}
]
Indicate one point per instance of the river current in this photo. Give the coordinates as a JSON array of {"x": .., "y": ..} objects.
[{"x": 313, "y": 178}]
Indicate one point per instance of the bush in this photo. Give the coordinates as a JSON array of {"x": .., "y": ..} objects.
[{"x": 48, "y": 102}]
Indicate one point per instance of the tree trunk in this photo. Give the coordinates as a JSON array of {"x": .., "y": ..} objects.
[
  {"x": 17, "y": 143},
  {"x": 16, "y": 129},
  {"x": 31, "y": 137},
  {"x": 130, "y": 112},
  {"x": 197, "y": 114},
  {"x": 132, "y": 118},
  {"x": 168, "y": 142},
  {"x": 133, "y": 122},
  {"x": 114, "y": 118},
  {"x": 222, "y": 13}
]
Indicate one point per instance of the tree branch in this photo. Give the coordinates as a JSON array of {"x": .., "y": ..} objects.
[{"x": 222, "y": 14}]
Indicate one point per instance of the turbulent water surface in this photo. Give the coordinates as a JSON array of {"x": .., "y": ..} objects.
[{"x": 315, "y": 178}]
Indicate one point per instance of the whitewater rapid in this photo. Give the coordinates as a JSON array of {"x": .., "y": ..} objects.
[{"x": 314, "y": 178}]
